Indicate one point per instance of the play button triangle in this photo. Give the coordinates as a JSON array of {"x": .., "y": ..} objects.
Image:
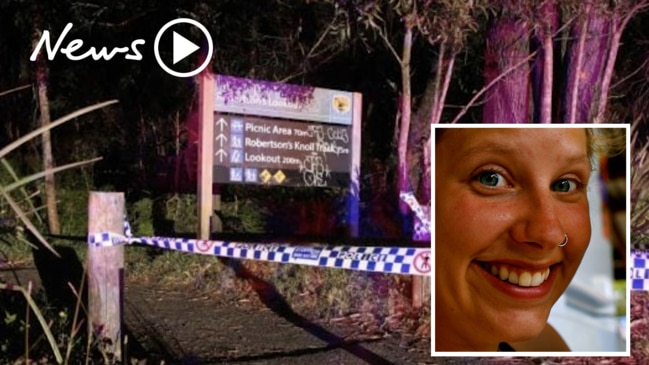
[{"x": 182, "y": 47}]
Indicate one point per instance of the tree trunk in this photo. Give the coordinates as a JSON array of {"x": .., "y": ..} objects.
[
  {"x": 586, "y": 57},
  {"x": 618, "y": 24},
  {"x": 429, "y": 113},
  {"x": 508, "y": 101},
  {"x": 547, "y": 24},
  {"x": 404, "y": 125},
  {"x": 41, "y": 72},
  {"x": 614, "y": 44}
]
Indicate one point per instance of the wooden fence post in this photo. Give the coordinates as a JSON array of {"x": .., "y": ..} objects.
[
  {"x": 417, "y": 300},
  {"x": 420, "y": 284},
  {"x": 420, "y": 290},
  {"x": 106, "y": 272}
]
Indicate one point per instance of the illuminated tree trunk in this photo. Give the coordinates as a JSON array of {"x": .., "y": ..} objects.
[
  {"x": 585, "y": 62},
  {"x": 508, "y": 100},
  {"x": 580, "y": 77},
  {"x": 547, "y": 24},
  {"x": 429, "y": 112},
  {"x": 406, "y": 112},
  {"x": 592, "y": 52}
]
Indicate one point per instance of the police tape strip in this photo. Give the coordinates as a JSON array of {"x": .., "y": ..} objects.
[
  {"x": 639, "y": 270},
  {"x": 394, "y": 260},
  {"x": 409, "y": 198}
]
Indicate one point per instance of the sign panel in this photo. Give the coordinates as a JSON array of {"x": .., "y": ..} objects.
[
  {"x": 258, "y": 150},
  {"x": 279, "y": 100}
]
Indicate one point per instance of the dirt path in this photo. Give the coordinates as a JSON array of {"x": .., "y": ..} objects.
[{"x": 187, "y": 328}]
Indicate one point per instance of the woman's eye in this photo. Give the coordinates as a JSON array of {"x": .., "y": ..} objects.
[
  {"x": 490, "y": 178},
  {"x": 565, "y": 185}
]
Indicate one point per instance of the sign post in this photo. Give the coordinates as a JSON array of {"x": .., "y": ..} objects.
[
  {"x": 205, "y": 148},
  {"x": 354, "y": 195},
  {"x": 267, "y": 133}
]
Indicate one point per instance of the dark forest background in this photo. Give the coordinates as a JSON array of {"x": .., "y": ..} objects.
[{"x": 415, "y": 62}]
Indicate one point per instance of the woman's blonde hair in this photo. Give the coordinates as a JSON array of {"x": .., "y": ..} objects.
[{"x": 606, "y": 142}]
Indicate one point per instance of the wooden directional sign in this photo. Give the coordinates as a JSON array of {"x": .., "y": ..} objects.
[
  {"x": 255, "y": 150},
  {"x": 262, "y": 132}
]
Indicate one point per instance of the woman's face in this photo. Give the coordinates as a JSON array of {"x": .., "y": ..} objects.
[{"x": 504, "y": 200}]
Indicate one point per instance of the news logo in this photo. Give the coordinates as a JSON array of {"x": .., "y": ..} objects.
[{"x": 181, "y": 48}]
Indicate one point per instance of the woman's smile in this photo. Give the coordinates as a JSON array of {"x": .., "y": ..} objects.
[
  {"x": 515, "y": 275},
  {"x": 515, "y": 282}
]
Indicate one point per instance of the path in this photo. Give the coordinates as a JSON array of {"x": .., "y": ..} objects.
[{"x": 189, "y": 328}]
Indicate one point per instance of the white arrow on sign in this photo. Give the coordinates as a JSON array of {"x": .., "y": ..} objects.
[
  {"x": 182, "y": 47},
  {"x": 221, "y": 154},
  {"x": 221, "y": 123},
  {"x": 221, "y": 138}
]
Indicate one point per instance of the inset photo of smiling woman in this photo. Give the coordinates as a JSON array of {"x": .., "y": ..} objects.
[{"x": 530, "y": 240}]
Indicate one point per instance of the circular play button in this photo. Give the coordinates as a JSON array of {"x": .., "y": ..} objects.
[{"x": 181, "y": 47}]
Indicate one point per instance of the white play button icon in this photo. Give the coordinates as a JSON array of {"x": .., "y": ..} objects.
[{"x": 183, "y": 47}]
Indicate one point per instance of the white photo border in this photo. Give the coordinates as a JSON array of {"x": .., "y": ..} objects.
[{"x": 627, "y": 352}]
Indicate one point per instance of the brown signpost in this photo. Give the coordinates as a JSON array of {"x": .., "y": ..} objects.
[{"x": 260, "y": 132}]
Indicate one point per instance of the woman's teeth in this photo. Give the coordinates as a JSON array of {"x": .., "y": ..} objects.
[{"x": 521, "y": 278}]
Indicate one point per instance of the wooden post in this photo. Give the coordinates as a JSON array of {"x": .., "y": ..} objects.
[
  {"x": 216, "y": 224},
  {"x": 354, "y": 195},
  {"x": 106, "y": 272},
  {"x": 420, "y": 290},
  {"x": 417, "y": 299},
  {"x": 205, "y": 153},
  {"x": 420, "y": 284}
]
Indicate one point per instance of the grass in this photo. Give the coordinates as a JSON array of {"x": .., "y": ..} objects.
[{"x": 318, "y": 293}]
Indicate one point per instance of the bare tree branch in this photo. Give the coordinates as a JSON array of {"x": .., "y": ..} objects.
[
  {"x": 322, "y": 37},
  {"x": 7, "y": 92}
]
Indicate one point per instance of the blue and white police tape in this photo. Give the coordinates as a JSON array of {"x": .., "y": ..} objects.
[
  {"x": 639, "y": 270},
  {"x": 107, "y": 239},
  {"x": 409, "y": 198},
  {"x": 394, "y": 260}
]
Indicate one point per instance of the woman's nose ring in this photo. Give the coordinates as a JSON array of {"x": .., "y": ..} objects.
[{"x": 565, "y": 240}]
